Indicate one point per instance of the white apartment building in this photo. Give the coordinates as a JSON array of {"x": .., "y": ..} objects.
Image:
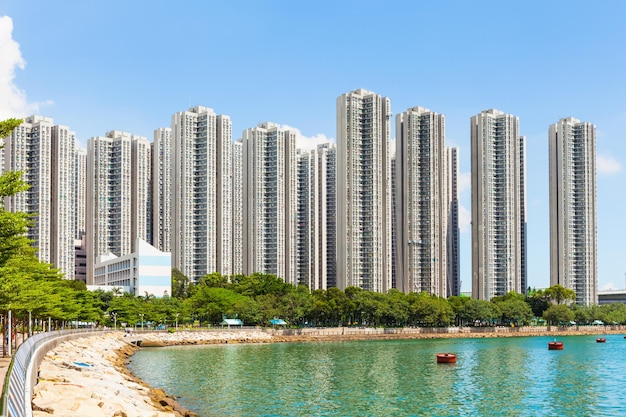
[
  {"x": 201, "y": 240},
  {"x": 141, "y": 190},
  {"x": 270, "y": 204},
  {"x": 498, "y": 205},
  {"x": 145, "y": 271},
  {"x": 423, "y": 203},
  {"x": 44, "y": 152},
  {"x": 573, "y": 213},
  {"x": 394, "y": 222},
  {"x": 80, "y": 175},
  {"x": 238, "y": 201},
  {"x": 118, "y": 195},
  {"x": 316, "y": 244},
  {"x": 162, "y": 189},
  {"x": 453, "y": 240},
  {"x": 364, "y": 248}
]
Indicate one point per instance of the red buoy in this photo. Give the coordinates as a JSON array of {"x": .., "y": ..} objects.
[
  {"x": 446, "y": 358},
  {"x": 555, "y": 345},
  {"x": 601, "y": 340}
]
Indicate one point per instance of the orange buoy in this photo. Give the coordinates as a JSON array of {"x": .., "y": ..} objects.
[
  {"x": 601, "y": 340},
  {"x": 446, "y": 358},
  {"x": 555, "y": 345}
]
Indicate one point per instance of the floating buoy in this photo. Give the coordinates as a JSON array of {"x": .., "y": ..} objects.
[
  {"x": 446, "y": 358},
  {"x": 555, "y": 345},
  {"x": 601, "y": 340}
]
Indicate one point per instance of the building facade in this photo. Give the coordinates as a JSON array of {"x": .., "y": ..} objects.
[
  {"x": 316, "y": 248},
  {"x": 498, "y": 205},
  {"x": 573, "y": 214},
  {"x": 201, "y": 192},
  {"x": 270, "y": 202},
  {"x": 118, "y": 195},
  {"x": 162, "y": 189},
  {"x": 364, "y": 191},
  {"x": 453, "y": 240},
  {"x": 238, "y": 199},
  {"x": 80, "y": 193},
  {"x": 146, "y": 271},
  {"x": 45, "y": 153},
  {"x": 424, "y": 204}
]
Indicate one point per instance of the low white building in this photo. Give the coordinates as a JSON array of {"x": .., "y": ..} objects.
[{"x": 148, "y": 271}]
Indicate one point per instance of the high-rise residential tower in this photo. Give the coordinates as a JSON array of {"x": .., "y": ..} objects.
[
  {"x": 316, "y": 248},
  {"x": 162, "y": 189},
  {"x": 498, "y": 205},
  {"x": 453, "y": 241},
  {"x": 270, "y": 202},
  {"x": 238, "y": 201},
  {"x": 202, "y": 193},
  {"x": 79, "y": 195},
  {"x": 364, "y": 191},
  {"x": 425, "y": 212},
  {"x": 118, "y": 195},
  {"x": 573, "y": 215},
  {"x": 394, "y": 223},
  {"x": 45, "y": 152}
]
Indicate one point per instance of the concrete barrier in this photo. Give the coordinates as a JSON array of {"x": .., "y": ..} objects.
[{"x": 17, "y": 391}]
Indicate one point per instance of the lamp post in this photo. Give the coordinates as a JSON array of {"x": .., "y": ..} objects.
[
  {"x": 141, "y": 315},
  {"x": 114, "y": 314},
  {"x": 177, "y": 320},
  {"x": 10, "y": 332}
]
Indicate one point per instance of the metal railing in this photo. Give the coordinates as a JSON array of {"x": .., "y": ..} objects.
[{"x": 22, "y": 373}]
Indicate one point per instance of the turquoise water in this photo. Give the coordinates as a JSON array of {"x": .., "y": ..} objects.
[{"x": 492, "y": 377}]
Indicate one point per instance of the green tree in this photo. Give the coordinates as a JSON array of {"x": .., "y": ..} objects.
[
  {"x": 180, "y": 284},
  {"x": 296, "y": 305},
  {"x": 7, "y": 126},
  {"x": 537, "y": 301},
  {"x": 612, "y": 313},
  {"x": 259, "y": 284},
  {"x": 558, "y": 314},
  {"x": 429, "y": 310},
  {"x": 212, "y": 303},
  {"x": 559, "y": 294},
  {"x": 582, "y": 314},
  {"x": 478, "y": 310},
  {"x": 514, "y": 310}
]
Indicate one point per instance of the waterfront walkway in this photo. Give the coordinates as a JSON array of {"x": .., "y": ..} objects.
[{"x": 4, "y": 367}]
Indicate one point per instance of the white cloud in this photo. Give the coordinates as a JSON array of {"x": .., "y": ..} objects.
[
  {"x": 607, "y": 165},
  {"x": 465, "y": 219},
  {"x": 607, "y": 287},
  {"x": 13, "y": 102},
  {"x": 308, "y": 143},
  {"x": 465, "y": 181}
]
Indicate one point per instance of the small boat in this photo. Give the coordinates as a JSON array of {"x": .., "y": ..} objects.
[
  {"x": 446, "y": 358},
  {"x": 601, "y": 340},
  {"x": 555, "y": 345}
]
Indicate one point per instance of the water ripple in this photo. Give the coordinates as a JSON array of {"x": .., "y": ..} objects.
[{"x": 492, "y": 377}]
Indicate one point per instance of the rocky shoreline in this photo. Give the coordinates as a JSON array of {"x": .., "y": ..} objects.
[{"x": 88, "y": 376}]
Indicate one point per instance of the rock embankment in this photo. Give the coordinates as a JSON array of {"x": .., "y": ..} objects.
[
  {"x": 184, "y": 337},
  {"x": 87, "y": 377}
]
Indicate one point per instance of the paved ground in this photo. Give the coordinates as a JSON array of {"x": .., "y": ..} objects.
[{"x": 4, "y": 366}]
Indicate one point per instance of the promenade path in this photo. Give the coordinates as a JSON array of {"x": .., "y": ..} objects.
[{"x": 4, "y": 367}]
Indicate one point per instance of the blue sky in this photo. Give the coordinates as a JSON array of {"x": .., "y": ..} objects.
[{"x": 129, "y": 65}]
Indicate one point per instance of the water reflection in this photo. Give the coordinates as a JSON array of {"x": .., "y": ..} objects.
[{"x": 492, "y": 377}]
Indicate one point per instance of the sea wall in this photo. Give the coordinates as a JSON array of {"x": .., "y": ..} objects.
[
  {"x": 359, "y": 333},
  {"x": 88, "y": 376}
]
